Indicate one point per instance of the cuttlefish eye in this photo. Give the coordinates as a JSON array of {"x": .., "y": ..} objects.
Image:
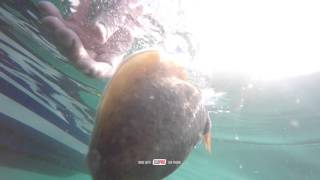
[{"x": 149, "y": 111}]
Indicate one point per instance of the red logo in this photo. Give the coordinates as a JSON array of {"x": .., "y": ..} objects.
[{"x": 159, "y": 162}]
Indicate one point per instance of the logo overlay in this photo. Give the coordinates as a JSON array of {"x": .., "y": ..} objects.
[{"x": 158, "y": 162}]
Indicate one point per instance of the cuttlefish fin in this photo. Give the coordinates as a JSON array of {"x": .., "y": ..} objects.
[
  {"x": 207, "y": 141},
  {"x": 207, "y": 134}
]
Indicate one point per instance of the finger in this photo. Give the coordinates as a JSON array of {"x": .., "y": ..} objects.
[
  {"x": 71, "y": 46},
  {"x": 50, "y": 24},
  {"x": 82, "y": 11},
  {"x": 101, "y": 33},
  {"x": 93, "y": 68},
  {"x": 101, "y": 70},
  {"x": 65, "y": 38},
  {"x": 46, "y": 8}
]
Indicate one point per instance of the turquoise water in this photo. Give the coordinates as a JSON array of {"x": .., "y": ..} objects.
[{"x": 261, "y": 130}]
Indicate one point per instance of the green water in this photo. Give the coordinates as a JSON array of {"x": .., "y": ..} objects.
[{"x": 261, "y": 130}]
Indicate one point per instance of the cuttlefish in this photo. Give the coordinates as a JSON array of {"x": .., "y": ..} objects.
[{"x": 149, "y": 111}]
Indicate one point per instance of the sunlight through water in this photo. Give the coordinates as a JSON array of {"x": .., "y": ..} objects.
[{"x": 267, "y": 40}]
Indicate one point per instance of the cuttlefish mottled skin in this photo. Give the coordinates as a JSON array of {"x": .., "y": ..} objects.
[{"x": 149, "y": 111}]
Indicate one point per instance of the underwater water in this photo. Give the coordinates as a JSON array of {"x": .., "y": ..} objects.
[{"x": 261, "y": 130}]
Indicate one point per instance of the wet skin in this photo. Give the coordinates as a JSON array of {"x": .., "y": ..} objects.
[{"x": 94, "y": 47}]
